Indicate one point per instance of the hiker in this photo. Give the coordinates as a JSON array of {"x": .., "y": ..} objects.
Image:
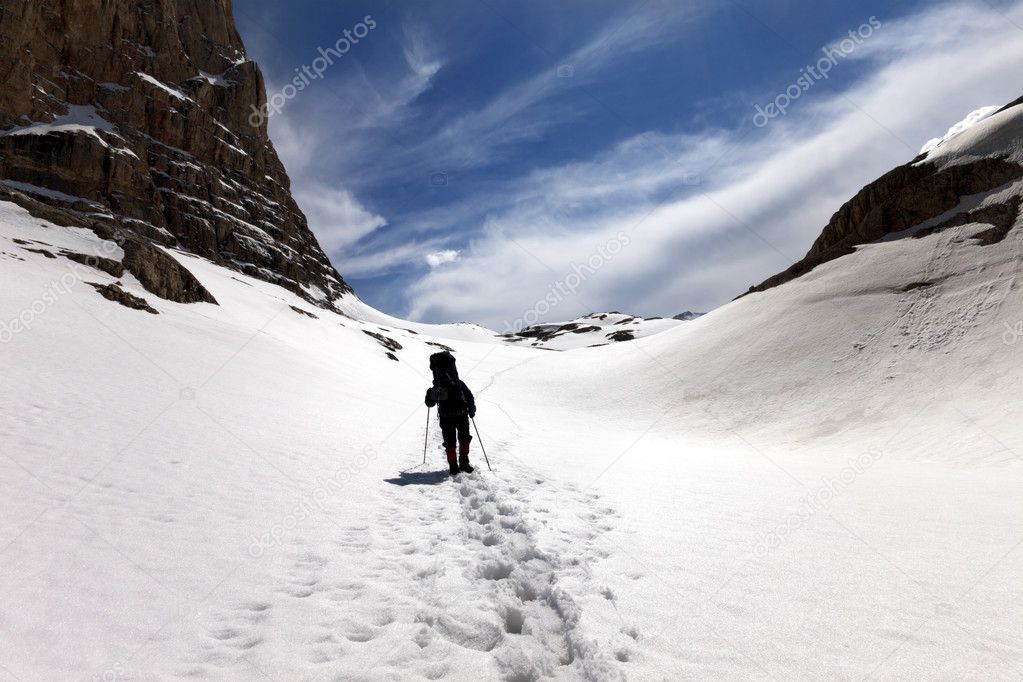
[{"x": 455, "y": 406}]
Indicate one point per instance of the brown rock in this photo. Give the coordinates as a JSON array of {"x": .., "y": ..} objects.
[
  {"x": 107, "y": 265},
  {"x": 898, "y": 201},
  {"x": 173, "y": 155},
  {"x": 114, "y": 292},
  {"x": 161, "y": 274},
  {"x": 303, "y": 312},
  {"x": 1001, "y": 217},
  {"x": 385, "y": 341}
]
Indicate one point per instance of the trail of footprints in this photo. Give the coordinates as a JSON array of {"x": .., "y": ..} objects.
[
  {"x": 471, "y": 575},
  {"x": 539, "y": 619}
]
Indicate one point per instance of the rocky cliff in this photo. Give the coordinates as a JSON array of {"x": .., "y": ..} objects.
[
  {"x": 906, "y": 198},
  {"x": 133, "y": 116}
]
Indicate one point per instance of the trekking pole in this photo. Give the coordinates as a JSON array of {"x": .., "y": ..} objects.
[
  {"x": 426, "y": 438},
  {"x": 481, "y": 443}
]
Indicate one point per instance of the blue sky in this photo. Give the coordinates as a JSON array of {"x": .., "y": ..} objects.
[{"x": 500, "y": 162}]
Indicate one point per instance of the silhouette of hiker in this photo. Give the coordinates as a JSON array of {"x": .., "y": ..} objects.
[{"x": 455, "y": 406}]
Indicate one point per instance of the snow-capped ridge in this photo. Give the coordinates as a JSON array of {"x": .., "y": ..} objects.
[
  {"x": 592, "y": 330},
  {"x": 972, "y": 119}
]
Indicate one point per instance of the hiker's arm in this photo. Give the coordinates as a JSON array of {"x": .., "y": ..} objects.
[{"x": 470, "y": 401}]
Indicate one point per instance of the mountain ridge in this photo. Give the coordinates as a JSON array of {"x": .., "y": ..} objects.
[{"x": 911, "y": 194}]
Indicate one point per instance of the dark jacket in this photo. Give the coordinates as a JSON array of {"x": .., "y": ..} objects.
[{"x": 453, "y": 400}]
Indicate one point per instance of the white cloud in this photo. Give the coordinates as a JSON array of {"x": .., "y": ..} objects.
[
  {"x": 439, "y": 258},
  {"x": 757, "y": 211},
  {"x": 337, "y": 219},
  {"x": 419, "y": 56},
  {"x": 312, "y": 145},
  {"x": 335, "y": 215},
  {"x": 378, "y": 261}
]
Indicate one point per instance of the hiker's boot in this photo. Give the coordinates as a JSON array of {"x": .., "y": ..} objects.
[
  {"x": 452, "y": 462},
  {"x": 463, "y": 458}
]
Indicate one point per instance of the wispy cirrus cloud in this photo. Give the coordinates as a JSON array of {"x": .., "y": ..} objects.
[
  {"x": 711, "y": 205},
  {"x": 315, "y": 148},
  {"x": 528, "y": 109},
  {"x": 712, "y": 213}
]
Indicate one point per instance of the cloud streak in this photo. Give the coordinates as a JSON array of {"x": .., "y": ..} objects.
[{"x": 713, "y": 213}]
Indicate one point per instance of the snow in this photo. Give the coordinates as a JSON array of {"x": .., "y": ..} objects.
[
  {"x": 820, "y": 481},
  {"x": 80, "y": 118},
  {"x": 173, "y": 92},
  {"x": 972, "y": 119},
  {"x": 315, "y": 292},
  {"x": 215, "y": 79},
  {"x": 595, "y": 329},
  {"x": 997, "y": 134},
  {"x": 46, "y": 193},
  {"x": 233, "y": 148}
]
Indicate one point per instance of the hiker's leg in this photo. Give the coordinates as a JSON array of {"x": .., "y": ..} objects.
[
  {"x": 463, "y": 443},
  {"x": 464, "y": 436},
  {"x": 448, "y": 429}
]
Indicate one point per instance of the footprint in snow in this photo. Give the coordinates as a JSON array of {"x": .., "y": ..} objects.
[{"x": 360, "y": 634}]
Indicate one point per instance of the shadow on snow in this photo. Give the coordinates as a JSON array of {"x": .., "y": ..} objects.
[{"x": 419, "y": 478}]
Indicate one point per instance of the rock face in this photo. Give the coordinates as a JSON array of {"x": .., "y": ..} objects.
[
  {"x": 904, "y": 198},
  {"x": 899, "y": 200},
  {"x": 160, "y": 274},
  {"x": 139, "y": 112}
]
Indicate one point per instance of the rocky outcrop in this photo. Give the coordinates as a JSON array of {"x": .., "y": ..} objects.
[
  {"x": 160, "y": 274},
  {"x": 107, "y": 265},
  {"x": 1001, "y": 217},
  {"x": 114, "y": 292},
  {"x": 139, "y": 112},
  {"x": 898, "y": 201}
]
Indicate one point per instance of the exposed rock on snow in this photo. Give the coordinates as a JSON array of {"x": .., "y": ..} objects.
[
  {"x": 301, "y": 311},
  {"x": 1001, "y": 217},
  {"x": 114, "y": 292},
  {"x": 387, "y": 342},
  {"x": 107, "y": 265},
  {"x": 161, "y": 274},
  {"x": 590, "y": 330},
  {"x": 898, "y": 201}
]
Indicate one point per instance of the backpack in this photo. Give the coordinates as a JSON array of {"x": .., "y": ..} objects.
[{"x": 447, "y": 385}]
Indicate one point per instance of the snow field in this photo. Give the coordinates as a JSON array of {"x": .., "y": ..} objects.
[{"x": 820, "y": 481}]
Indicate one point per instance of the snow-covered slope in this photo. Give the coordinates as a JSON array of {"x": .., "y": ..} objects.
[
  {"x": 818, "y": 481},
  {"x": 595, "y": 329},
  {"x": 972, "y": 119}
]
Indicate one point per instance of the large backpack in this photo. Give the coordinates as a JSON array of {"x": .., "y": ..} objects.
[{"x": 445, "y": 378}]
